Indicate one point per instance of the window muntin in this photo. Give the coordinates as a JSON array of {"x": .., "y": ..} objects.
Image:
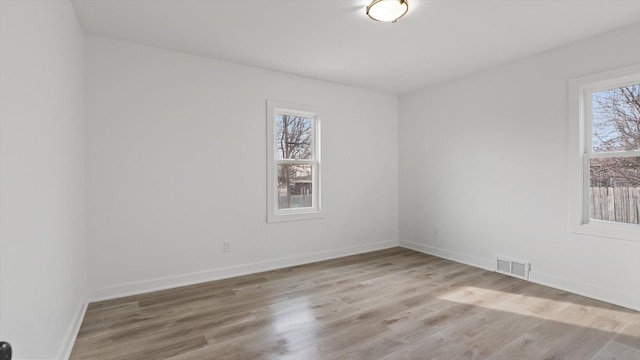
[{"x": 293, "y": 162}]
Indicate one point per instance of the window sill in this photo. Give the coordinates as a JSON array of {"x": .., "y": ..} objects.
[
  {"x": 607, "y": 229},
  {"x": 295, "y": 216}
]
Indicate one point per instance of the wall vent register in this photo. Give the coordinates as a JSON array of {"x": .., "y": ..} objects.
[{"x": 512, "y": 267}]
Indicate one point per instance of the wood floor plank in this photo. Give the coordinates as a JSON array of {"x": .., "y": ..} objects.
[{"x": 390, "y": 304}]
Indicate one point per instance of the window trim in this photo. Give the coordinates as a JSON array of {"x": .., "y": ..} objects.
[
  {"x": 580, "y": 132},
  {"x": 316, "y": 211}
]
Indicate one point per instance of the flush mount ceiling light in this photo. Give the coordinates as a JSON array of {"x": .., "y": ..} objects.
[{"x": 387, "y": 10}]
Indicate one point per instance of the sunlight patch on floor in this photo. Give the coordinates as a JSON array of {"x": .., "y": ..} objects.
[{"x": 544, "y": 308}]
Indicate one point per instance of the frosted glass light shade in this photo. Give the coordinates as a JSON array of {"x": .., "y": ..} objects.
[{"x": 387, "y": 10}]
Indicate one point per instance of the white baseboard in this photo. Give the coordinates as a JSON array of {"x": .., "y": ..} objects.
[
  {"x": 449, "y": 255},
  {"x": 627, "y": 300},
  {"x": 64, "y": 352},
  {"x": 229, "y": 272},
  {"x": 611, "y": 296}
]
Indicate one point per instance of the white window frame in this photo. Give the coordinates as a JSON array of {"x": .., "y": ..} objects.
[
  {"x": 580, "y": 146},
  {"x": 274, "y": 214}
]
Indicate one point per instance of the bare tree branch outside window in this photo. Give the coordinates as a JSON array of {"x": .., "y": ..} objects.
[
  {"x": 293, "y": 142},
  {"x": 614, "y": 163},
  {"x": 616, "y": 127}
]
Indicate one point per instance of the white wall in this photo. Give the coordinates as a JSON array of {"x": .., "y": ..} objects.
[
  {"x": 176, "y": 164},
  {"x": 484, "y": 159},
  {"x": 43, "y": 252}
]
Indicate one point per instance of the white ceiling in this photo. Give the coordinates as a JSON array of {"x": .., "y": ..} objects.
[{"x": 334, "y": 39}]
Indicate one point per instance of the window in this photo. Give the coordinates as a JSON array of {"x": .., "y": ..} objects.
[
  {"x": 293, "y": 138},
  {"x": 605, "y": 154}
]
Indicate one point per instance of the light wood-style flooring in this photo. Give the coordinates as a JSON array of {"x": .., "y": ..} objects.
[{"x": 390, "y": 304}]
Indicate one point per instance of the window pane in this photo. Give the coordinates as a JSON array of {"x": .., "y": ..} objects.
[
  {"x": 293, "y": 137},
  {"x": 615, "y": 189},
  {"x": 616, "y": 119},
  {"x": 295, "y": 186}
]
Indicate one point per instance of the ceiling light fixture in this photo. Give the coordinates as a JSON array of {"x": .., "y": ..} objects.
[{"x": 387, "y": 10}]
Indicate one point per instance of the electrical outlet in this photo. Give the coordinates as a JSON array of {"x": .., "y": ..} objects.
[{"x": 226, "y": 246}]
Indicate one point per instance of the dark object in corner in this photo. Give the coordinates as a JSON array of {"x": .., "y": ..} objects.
[{"x": 5, "y": 351}]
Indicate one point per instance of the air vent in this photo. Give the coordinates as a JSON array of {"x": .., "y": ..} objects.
[
  {"x": 512, "y": 267},
  {"x": 503, "y": 266}
]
